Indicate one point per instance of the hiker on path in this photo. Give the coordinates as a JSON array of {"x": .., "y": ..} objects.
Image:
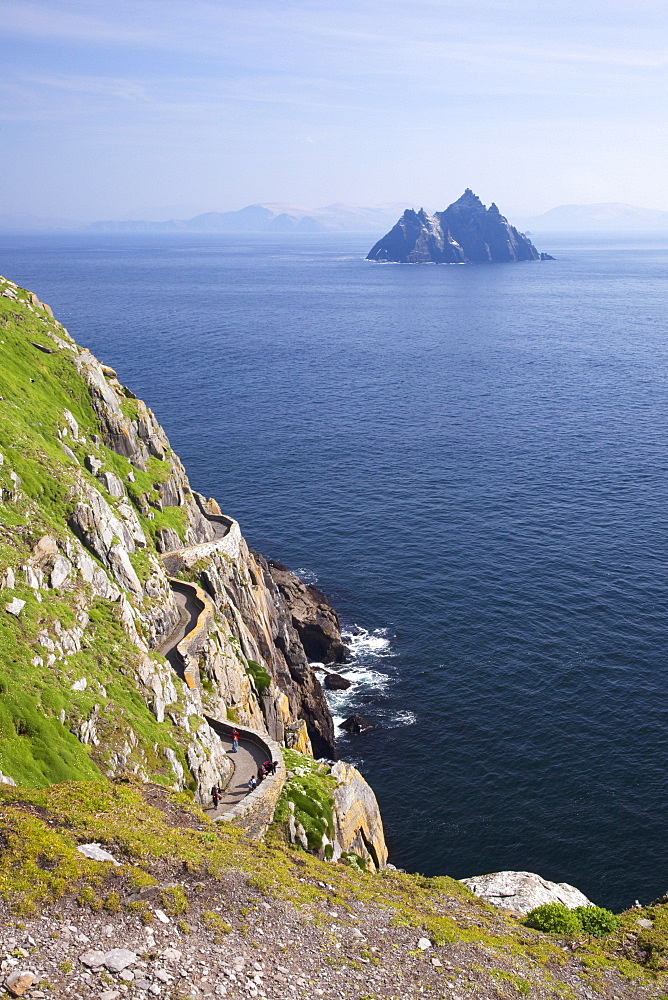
[
  {"x": 235, "y": 742},
  {"x": 215, "y": 795}
]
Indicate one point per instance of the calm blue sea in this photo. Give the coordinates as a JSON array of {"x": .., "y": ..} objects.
[{"x": 473, "y": 462}]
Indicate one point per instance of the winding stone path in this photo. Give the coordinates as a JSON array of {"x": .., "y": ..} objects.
[{"x": 249, "y": 757}]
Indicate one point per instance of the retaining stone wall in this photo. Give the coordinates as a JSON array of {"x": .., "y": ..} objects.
[
  {"x": 256, "y": 810},
  {"x": 229, "y": 544}
]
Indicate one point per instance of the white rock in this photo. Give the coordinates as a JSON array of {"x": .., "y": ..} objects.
[
  {"x": 72, "y": 424},
  {"x": 60, "y": 572},
  {"x": 127, "y": 975},
  {"x": 33, "y": 576},
  {"x": 15, "y": 607},
  {"x": 80, "y": 685},
  {"x": 437, "y": 963},
  {"x": 92, "y": 958},
  {"x": 523, "y": 891},
  {"x": 97, "y": 853},
  {"x": 7, "y": 579},
  {"x": 6, "y": 780},
  {"x": 119, "y": 959},
  {"x": 112, "y": 484},
  {"x": 163, "y": 975},
  {"x": 162, "y": 916},
  {"x": 171, "y": 954},
  {"x": 423, "y": 944},
  {"x": 110, "y": 995},
  {"x": 93, "y": 464}
]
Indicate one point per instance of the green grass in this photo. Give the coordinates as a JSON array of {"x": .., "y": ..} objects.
[
  {"x": 261, "y": 679},
  {"x": 36, "y": 748},
  {"x": 311, "y": 791}
]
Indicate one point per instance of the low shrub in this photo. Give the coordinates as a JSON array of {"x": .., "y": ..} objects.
[
  {"x": 597, "y": 921},
  {"x": 555, "y": 918}
]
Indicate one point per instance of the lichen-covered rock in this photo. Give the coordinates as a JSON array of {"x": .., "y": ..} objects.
[
  {"x": 358, "y": 823},
  {"x": 523, "y": 891},
  {"x": 19, "y": 982}
]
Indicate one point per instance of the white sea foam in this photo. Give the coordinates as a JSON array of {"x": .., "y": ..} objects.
[
  {"x": 307, "y": 575},
  {"x": 368, "y": 670},
  {"x": 405, "y": 718},
  {"x": 360, "y": 641}
]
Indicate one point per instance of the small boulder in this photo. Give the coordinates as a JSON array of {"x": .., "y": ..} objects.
[
  {"x": 355, "y": 724},
  {"x": 118, "y": 959},
  {"x": 335, "y": 682},
  {"x": 60, "y": 572},
  {"x": 93, "y": 464},
  {"x": 71, "y": 422},
  {"x": 523, "y": 891},
  {"x": 424, "y": 943},
  {"x": 171, "y": 954},
  {"x": 19, "y": 981},
  {"x": 112, "y": 484},
  {"x": 15, "y": 607},
  {"x": 92, "y": 959},
  {"x": 96, "y": 853}
]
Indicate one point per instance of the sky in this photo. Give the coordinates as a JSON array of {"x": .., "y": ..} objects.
[{"x": 114, "y": 109}]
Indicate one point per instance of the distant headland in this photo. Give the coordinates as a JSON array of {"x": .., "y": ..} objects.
[{"x": 466, "y": 232}]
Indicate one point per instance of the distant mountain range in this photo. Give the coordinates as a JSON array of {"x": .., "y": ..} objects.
[
  {"x": 270, "y": 217},
  {"x": 275, "y": 217},
  {"x": 606, "y": 216}
]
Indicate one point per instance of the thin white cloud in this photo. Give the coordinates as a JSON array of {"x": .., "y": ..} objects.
[
  {"x": 127, "y": 90},
  {"x": 40, "y": 21}
]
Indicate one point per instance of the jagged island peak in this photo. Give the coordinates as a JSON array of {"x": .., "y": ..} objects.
[{"x": 466, "y": 232}]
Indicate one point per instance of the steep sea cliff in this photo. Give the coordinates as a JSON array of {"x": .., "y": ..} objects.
[{"x": 139, "y": 625}]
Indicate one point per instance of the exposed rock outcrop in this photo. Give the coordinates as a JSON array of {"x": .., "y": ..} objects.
[
  {"x": 523, "y": 891},
  {"x": 466, "y": 232},
  {"x": 358, "y": 824},
  {"x": 315, "y": 620},
  {"x": 355, "y": 724},
  {"x": 108, "y": 527}
]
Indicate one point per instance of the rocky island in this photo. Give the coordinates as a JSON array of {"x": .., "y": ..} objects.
[
  {"x": 466, "y": 232},
  {"x": 139, "y": 635}
]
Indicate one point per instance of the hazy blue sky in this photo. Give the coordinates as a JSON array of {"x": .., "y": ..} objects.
[{"x": 112, "y": 107}]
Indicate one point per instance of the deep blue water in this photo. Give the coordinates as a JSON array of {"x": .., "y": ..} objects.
[{"x": 472, "y": 461}]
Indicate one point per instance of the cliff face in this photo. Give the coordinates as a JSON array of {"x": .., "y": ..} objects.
[
  {"x": 466, "y": 232},
  {"x": 100, "y": 667}
]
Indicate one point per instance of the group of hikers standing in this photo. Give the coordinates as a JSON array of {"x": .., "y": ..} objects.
[
  {"x": 265, "y": 769},
  {"x": 269, "y": 767}
]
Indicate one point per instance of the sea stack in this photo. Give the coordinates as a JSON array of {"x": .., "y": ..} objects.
[{"x": 466, "y": 232}]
